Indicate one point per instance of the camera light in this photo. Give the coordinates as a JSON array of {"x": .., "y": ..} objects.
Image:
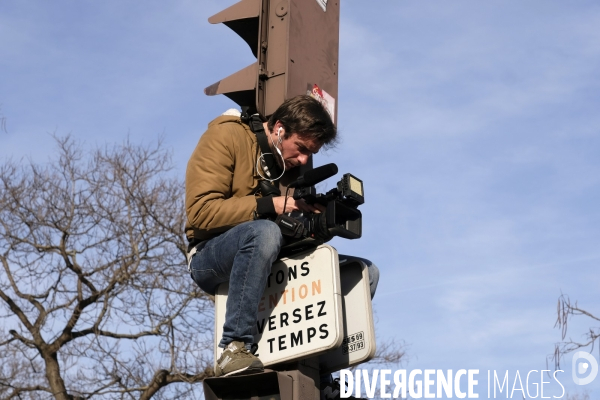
[
  {"x": 356, "y": 185},
  {"x": 351, "y": 189}
]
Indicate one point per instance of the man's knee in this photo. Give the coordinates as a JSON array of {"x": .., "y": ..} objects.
[
  {"x": 373, "y": 272},
  {"x": 373, "y": 277},
  {"x": 267, "y": 236}
]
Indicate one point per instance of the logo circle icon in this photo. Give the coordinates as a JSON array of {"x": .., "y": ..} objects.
[{"x": 583, "y": 367}]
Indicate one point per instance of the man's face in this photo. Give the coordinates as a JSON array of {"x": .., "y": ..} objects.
[{"x": 296, "y": 149}]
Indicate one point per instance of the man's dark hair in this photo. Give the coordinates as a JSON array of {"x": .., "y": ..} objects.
[{"x": 307, "y": 117}]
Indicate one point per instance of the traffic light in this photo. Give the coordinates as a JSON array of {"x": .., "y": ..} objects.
[{"x": 295, "y": 43}]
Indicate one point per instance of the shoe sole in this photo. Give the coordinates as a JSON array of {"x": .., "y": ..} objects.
[{"x": 244, "y": 371}]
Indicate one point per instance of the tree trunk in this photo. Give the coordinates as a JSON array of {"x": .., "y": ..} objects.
[{"x": 57, "y": 384}]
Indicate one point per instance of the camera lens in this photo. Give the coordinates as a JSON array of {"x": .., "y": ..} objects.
[{"x": 319, "y": 226}]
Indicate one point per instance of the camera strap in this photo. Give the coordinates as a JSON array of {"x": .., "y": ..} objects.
[{"x": 255, "y": 122}]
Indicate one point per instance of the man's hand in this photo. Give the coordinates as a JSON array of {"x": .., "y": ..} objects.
[{"x": 295, "y": 205}]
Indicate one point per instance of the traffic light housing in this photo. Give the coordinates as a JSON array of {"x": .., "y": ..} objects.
[{"x": 296, "y": 45}]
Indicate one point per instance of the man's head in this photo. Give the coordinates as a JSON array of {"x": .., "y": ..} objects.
[{"x": 299, "y": 128}]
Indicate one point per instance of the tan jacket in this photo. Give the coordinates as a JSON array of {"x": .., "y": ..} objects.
[{"x": 221, "y": 179}]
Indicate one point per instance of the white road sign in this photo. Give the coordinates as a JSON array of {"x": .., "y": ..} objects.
[{"x": 300, "y": 313}]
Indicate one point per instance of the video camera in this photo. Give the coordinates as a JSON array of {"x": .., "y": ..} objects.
[{"x": 340, "y": 218}]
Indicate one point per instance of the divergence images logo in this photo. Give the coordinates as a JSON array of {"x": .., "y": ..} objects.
[{"x": 584, "y": 363}]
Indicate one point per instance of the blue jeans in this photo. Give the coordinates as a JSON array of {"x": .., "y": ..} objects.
[{"x": 243, "y": 256}]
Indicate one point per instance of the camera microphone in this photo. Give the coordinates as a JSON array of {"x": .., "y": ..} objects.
[{"x": 314, "y": 176}]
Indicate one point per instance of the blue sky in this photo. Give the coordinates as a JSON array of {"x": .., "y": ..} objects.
[{"x": 473, "y": 124}]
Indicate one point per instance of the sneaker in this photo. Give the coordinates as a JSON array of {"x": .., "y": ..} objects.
[
  {"x": 331, "y": 391},
  {"x": 237, "y": 359}
]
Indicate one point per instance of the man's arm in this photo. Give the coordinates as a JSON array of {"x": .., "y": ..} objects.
[
  {"x": 210, "y": 204},
  {"x": 294, "y": 205}
]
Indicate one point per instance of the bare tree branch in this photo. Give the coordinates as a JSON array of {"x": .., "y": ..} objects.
[
  {"x": 566, "y": 310},
  {"x": 94, "y": 293}
]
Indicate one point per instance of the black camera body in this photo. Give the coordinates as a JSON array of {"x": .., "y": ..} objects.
[{"x": 340, "y": 218}]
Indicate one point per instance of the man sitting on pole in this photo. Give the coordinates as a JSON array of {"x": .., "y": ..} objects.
[{"x": 228, "y": 200}]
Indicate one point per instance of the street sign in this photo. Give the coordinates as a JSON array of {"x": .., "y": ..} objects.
[
  {"x": 300, "y": 313},
  {"x": 358, "y": 344}
]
